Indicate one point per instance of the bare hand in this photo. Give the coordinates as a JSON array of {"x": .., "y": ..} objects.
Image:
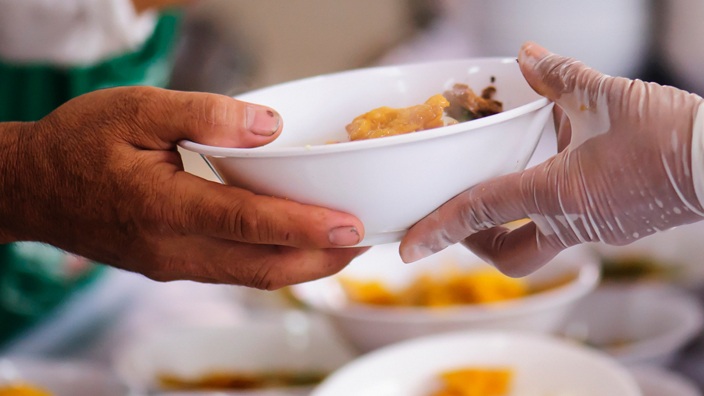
[{"x": 101, "y": 177}]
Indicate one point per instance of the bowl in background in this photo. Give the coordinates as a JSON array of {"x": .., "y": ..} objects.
[
  {"x": 542, "y": 367},
  {"x": 294, "y": 343},
  {"x": 641, "y": 324},
  {"x": 369, "y": 327},
  {"x": 676, "y": 251},
  {"x": 654, "y": 381},
  {"x": 388, "y": 183},
  {"x": 61, "y": 378}
]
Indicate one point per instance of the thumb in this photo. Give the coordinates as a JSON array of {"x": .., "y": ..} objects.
[
  {"x": 582, "y": 93},
  {"x": 215, "y": 120},
  {"x": 556, "y": 77}
]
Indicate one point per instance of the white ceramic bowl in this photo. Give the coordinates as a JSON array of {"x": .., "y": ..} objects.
[
  {"x": 296, "y": 342},
  {"x": 611, "y": 36},
  {"x": 61, "y": 378},
  {"x": 388, "y": 183},
  {"x": 653, "y": 322},
  {"x": 678, "y": 249},
  {"x": 542, "y": 367},
  {"x": 370, "y": 327},
  {"x": 655, "y": 381}
]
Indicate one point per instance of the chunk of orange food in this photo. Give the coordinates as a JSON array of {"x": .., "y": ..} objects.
[
  {"x": 454, "y": 287},
  {"x": 476, "y": 382},
  {"x": 22, "y": 390},
  {"x": 386, "y": 121}
]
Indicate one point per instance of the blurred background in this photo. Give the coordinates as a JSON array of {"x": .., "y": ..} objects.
[
  {"x": 80, "y": 311},
  {"x": 231, "y": 47}
]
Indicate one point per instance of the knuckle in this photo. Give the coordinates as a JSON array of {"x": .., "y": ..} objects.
[
  {"x": 475, "y": 217},
  {"x": 250, "y": 224},
  {"x": 212, "y": 111},
  {"x": 262, "y": 278}
]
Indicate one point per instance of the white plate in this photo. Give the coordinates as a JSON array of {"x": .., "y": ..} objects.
[
  {"x": 296, "y": 342},
  {"x": 654, "y": 381},
  {"x": 369, "y": 327},
  {"x": 655, "y": 321},
  {"x": 542, "y": 367},
  {"x": 61, "y": 378}
]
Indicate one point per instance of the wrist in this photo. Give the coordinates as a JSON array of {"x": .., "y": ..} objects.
[
  {"x": 12, "y": 198},
  {"x": 698, "y": 153}
]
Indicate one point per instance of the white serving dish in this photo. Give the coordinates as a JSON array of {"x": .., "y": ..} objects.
[
  {"x": 611, "y": 36},
  {"x": 542, "y": 366},
  {"x": 61, "y": 378},
  {"x": 294, "y": 343},
  {"x": 388, "y": 183},
  {"x": 654, "y": 381},
  {"x": 369, "y": 327},
  {"x": 655, "y": 321},
  {"x": 679, "y": 250}
]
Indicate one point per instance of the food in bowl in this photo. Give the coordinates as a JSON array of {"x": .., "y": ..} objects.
[
  {"x": 449, "y": 288},
  {"x": 22, "y": 390},
  {"x": 633, "y": 268},
  {"x": 386, "y": 121},
  {"x": 241, "y": 381},
  {"x": 476, "y": 382},
  {"x": 465, "y": 105},
  {"x": 460, "y": 104}
]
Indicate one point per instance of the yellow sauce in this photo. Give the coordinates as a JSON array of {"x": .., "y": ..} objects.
[
  {"x": 476, "y": 382},
  {"x": 454, "y": 287},
  {"x": 22, "y": 390}
]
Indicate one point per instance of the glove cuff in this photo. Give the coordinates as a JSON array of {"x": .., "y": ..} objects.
[{"x": 698, "y": 154}]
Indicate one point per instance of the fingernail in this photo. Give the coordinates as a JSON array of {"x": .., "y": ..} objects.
[
  {"x": 262, "y": 121},
  {"x": 531, "y": 53},
  {"x": 344, "y": 236},
  {"x": 411, "y": 254}
]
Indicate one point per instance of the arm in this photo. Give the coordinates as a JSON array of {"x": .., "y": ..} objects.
[
  {"x": 101, "y": 177},
  {"x": 10, "y": 199},
  {"x": 630, "y": 164}
]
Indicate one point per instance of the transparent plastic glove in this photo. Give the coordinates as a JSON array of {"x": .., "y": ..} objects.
[{"x": 630, "y": 163}]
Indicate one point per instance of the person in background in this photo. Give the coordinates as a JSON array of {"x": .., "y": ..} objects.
[{"x": 51, "y": 52}]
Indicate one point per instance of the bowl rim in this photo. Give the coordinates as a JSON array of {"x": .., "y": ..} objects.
[
  {"x": 81, "y": 370},
  {"x": 267, "y": 152},
  {"x": 594, "y": 356},
  {"x": 668, "y": 299},
  {"x": 646, "y": 375},
  {"x": 587, "y": 279},
  {"x": 144, "y": 382}
]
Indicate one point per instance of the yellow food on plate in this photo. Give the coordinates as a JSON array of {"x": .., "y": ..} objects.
[
  {"x": 386, "y": 121},
  {"x": 476, "y": 382},
  {"x": 22, "y": 390},
  {"x": 242, "y": 381},
  {"x": 454, "y": 287}
]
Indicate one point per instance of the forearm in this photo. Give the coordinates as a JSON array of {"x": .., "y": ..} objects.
[{"x": 11, "y": 196}]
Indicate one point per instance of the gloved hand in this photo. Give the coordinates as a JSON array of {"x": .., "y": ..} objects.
[
  {"x": 630, "y": 163},
  {"x": 101, "y": 177}
]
